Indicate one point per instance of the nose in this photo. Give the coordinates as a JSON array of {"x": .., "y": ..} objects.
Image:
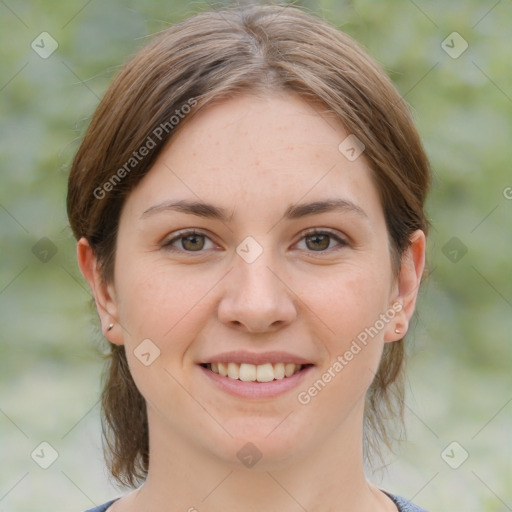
[{"x": 256, "y": 298}]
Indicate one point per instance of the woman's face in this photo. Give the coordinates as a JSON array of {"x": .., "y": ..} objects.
[{"x": 255, "y": 246}]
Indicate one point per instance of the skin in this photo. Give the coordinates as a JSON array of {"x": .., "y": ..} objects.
[{"x": 254, "y": 157}]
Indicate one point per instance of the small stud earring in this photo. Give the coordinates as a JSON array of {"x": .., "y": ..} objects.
[
  {"x": 110, "y": 327},
  {"x": 397, "y": 331}
]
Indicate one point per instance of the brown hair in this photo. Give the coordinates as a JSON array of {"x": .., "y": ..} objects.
[{"x": 206, "y": 58}]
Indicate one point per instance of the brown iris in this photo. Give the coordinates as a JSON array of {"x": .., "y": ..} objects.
[
  {"x": 192, "y": 242},
  {"x": 319, "y": 242}
]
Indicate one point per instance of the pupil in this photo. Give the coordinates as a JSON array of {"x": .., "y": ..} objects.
[
  {"x": 193, "y": 242},
  {"x": 320, "y": 242}
]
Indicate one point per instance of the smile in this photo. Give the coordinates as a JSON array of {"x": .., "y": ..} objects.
[
  {"x": 247, "y": 372},
  {"x": 255, "y": 381}
]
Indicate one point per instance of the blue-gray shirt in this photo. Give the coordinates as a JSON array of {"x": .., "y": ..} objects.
[{"x": 401, "y": 503}]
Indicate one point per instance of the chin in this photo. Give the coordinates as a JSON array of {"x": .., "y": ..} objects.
[{"x": 259, "y": 444}]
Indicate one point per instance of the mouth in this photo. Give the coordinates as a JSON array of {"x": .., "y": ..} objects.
[
  {"x": 255, "y": 381},
  {"x": 247, "y": 372}
]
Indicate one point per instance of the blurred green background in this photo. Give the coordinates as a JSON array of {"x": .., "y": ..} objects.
[{"x": 459, "y": 385}]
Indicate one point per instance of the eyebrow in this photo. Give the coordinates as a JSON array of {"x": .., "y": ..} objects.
[
  {"x": 191, "y": 207},
  {"x": 296, "y": 211},
  {"x": 329, "y": 205}
]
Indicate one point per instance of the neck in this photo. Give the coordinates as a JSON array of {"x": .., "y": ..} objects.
[{"x": 328, "y": 478}]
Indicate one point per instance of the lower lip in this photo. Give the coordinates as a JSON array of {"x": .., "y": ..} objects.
[{"x": 256, "y": 390}]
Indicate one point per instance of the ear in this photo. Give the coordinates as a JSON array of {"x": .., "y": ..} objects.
[
  {"x": 104, "y": 294},
  {"x": 407, "y": 287}
]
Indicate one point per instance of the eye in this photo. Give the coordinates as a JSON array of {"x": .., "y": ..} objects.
[
  {"x": 189, "y": 241},
  {"x": 322, "y": 241}
]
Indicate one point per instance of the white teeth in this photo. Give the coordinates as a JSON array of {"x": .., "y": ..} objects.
[
  {"x": 233, "y": 371},
  {"x": 223, "y": 369},
  {"x": 250, "y": 372},
  {"x": 264, "y": 373},
  {"x": 247, "y": 372},
  {"x": 279, "y": 372},
  {"x": 289, "y": 369}
]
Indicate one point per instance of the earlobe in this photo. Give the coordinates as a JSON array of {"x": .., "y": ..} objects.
[
  {"x": 103, "y": 293},
  {"x": 407, "y": 286}
]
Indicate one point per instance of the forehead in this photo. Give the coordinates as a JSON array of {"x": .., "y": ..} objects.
[{"x": 256, "y": 152}]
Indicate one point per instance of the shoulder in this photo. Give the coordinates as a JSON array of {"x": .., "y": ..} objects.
[
  {"x": 101, "y": 508},
  {"x": 402, "y": 504},
  {"x": 405, "y": 505}
]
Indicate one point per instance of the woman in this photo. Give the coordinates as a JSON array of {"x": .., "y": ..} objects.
[{"x": 248, "y": 204}]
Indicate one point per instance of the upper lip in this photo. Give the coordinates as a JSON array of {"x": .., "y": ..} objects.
[{"x": 256, "y": 358}]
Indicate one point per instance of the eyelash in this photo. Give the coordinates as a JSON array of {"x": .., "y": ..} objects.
[
  {"x": 183, "y": 234},
  {"x": 342, "y": 242}
]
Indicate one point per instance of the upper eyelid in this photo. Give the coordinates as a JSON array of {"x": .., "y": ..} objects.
[
  {"x": 314, "y": 231},
  {"x": 183, "y": 233}
]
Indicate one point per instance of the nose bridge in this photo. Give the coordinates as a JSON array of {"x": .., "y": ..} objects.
[
  {"x": 255, "y": 280},
  {"x": 254, "y": 296}
]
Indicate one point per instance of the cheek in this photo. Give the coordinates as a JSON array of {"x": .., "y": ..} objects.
[
  {"x": 168, "y": 308},
  {"x": 351, "y": 309},
  {"x": 159, "y": 302},
  {"x": 348, "y": 301}
]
